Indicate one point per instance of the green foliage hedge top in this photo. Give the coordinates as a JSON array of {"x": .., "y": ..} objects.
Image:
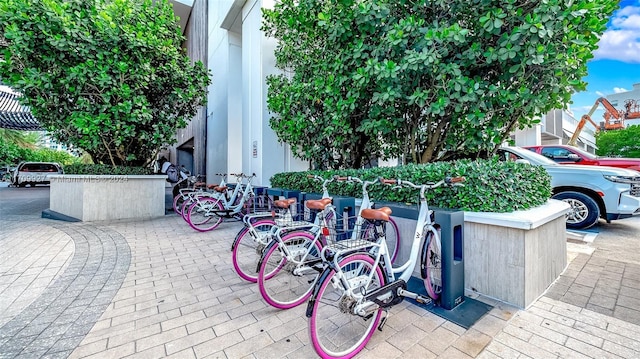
[
  {"x": 98, "y": 169},
  {"x": 621, "y": 143},
  {"x": 490, "y": 185}
]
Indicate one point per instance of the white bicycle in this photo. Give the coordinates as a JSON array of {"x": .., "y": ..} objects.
[{"x": 360, "y": 282}]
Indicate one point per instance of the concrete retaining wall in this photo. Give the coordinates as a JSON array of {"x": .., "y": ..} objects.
[
  {"x": 513, "y": 257},
  {"x": 99, "y": 198}
]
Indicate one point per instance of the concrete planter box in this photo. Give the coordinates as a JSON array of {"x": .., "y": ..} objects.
[
  {"x": 107, "y": 197},
  {"x": 513, "y": 257}
]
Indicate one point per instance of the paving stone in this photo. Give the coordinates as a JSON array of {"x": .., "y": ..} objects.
[
  {"x": 218, "y": 344},
  {"x": 191, "y": 340},
  {"x": 472, "y": 342}
]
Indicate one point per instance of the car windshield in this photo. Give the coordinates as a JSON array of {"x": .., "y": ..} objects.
[
  {"x": 584, "y": 153},
  {"x": 532, "y": 157}
]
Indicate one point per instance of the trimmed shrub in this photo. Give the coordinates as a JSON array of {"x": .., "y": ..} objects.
[
  {"x": 98, "y": 169},
  {"x": 490, "y": 185}
]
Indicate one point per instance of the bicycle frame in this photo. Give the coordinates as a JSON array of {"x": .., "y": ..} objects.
[
  {"x": 227, "y": 202},
  {"x": 276, "y": 234},
  {"x": 230, "y": 209}
]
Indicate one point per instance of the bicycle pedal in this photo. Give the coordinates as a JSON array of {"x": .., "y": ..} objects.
[{"x": 423, "y": 300}]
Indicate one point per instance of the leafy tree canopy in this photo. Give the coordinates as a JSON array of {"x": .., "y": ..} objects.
[
  {"x": 423, "y": 80},
  {"x": 619, "y": 143},
  {"x": 107, "y": 76}
]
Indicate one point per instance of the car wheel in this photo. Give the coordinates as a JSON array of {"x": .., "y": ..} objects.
[{"x": 584, "y": 211}]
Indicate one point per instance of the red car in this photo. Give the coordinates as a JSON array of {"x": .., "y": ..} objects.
[{"x": 565, "y": 154}]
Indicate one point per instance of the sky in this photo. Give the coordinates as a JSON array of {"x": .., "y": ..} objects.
[{"x": 616, "y": 64}]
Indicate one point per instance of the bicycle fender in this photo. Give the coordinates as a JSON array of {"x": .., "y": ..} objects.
[
  {"x": 239, "y": 235},
  {"x": 266, "y": 250},
  {"x": 423, "y": 254},
  {"x": 316, "y": 288}
]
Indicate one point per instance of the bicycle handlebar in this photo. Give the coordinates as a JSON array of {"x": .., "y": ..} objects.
[{"x": 449, "y": 181}]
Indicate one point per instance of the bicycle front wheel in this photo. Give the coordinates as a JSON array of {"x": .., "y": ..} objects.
[
  {"x": 247, "y": 250},
  {"x": 202, "y": 214},
  {"x": 184, "y": 207},
  {"x": 432, "y": 266},
  {"x": 335, "y": 330},
  {"x": 286, "y": 279},
  {"x": 179, "y": 200}
]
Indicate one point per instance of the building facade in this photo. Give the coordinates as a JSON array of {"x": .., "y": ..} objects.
[
  {"x": 240, "y": 57},
  {"x": 555, "y": 128}
]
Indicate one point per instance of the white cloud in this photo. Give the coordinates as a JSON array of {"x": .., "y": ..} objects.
[
  {"x": 627, "y": 11},
  {"x": 622, "y": 45},
  {"x": 630, "y": 22},
  {"x": 619, "y": 89},
  {"x": 601, "y": 94},
  {"x": 622, "y": 40}
]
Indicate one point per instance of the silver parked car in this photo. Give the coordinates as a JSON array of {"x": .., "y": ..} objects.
[{"x": 592, "y": 191}]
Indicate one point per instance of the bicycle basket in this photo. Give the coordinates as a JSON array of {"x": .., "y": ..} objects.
[{"x": 348, "y": 234}]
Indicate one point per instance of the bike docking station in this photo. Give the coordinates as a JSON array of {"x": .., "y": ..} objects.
[
  {"x": 452, "y": 304},
  {"x": 280, "y": 193}
]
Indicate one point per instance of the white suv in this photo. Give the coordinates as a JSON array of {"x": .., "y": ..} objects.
[
  {"x": 593, "y": 192},
  {"x": 32, "y": 173}
]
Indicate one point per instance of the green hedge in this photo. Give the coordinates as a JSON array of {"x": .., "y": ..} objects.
[
  {"x": 490, "y": 185},
  {"x": 98, "y": 169}
]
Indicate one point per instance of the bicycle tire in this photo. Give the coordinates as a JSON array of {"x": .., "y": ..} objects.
[
  {"x": 177, "y": 203},
  {"x": 245, "y": 252},
  {"x": 278, "y": 284},
  {"x": 185, "y": 208},
  {"x": 201, "y": 215},
  {"x": 330, "y": 325},
  {"x": 198, "y": 202},
  {"x": 392, "y": 237},
  {"x": 190, "y": 201},
  {"x": 432, "y": 268}
]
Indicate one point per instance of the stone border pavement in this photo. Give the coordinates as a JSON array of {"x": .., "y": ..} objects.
[{"x": 58, "y": 320}]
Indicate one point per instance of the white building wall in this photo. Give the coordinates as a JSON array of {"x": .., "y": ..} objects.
[
  {"x": 529, "y": 137},
  {"x": 239, "y": 137},
  {"x": 218, "y": 97}
]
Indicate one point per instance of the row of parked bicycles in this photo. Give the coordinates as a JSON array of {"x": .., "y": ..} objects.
[{"x": 345, "y": 268}]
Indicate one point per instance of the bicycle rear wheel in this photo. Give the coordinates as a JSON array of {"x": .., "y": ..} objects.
[
  {"x": 432, "y": 266},
  {"x": 392, "y": 237},
  {"x": 287, "y": 281},
  {"x": 335, "y": 331},
  {"x": 247, "y": 250},
  {"x": 202, "y": 214}
]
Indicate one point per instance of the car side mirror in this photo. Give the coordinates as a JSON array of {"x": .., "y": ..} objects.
[
  {"x": 573, "y": 157},
  {"x": 521, "y": 160}
]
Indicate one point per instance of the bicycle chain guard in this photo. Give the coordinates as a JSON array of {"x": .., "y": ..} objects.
[{"x": 391, "y": 290}]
